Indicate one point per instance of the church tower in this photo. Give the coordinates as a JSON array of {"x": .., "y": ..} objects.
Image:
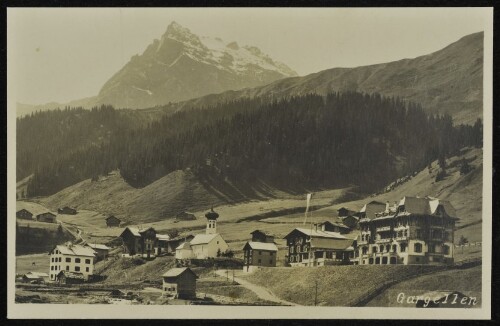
[{"x": 211, "y": 221}]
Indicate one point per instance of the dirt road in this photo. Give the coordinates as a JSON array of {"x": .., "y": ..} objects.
[{"x": 260, "y": 291}]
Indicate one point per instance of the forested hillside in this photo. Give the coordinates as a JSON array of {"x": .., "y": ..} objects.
[{"x": 314, "y": 141}]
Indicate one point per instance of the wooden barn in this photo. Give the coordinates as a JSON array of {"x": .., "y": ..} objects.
[
  {"x": 113, "y": 222},
  {"x": 47, "y": 217},
  {"x": 65, "y": 277},
  {"x": 180, "y": 283},
  {"x": 24, "y": 214}
]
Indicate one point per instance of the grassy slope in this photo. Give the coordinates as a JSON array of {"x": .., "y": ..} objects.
[
  {"x": 467, "y": 281},
  {"x": 337, "y": 285},
  {"x": 176, "y": 192}
]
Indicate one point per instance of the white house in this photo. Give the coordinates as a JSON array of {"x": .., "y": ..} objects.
[
  {"x": 71, "y": 258},
  {"x": 206, "y": 245}
]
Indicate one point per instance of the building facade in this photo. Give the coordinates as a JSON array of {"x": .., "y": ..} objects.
[
  {"x": 205, "y": 245},
  {"x": 47, "y": 217},
  {"x": 314, "y": 247},
  {"x": 112, "y": 221},
  {"x": 180, "y": 283},
  {"x": 412, "y": 231},
  {"x": 71, "y": 258},
  {"x": 24, "y": 214}
]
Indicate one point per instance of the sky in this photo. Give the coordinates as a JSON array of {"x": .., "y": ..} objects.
[{"x": 63, "y": 54}]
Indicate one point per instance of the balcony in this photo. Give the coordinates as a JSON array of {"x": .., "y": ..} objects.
[
  {"x": 383, "y": 228},
  {"x": 401, "y": 228},
  {"x": 402, "y": 238},
  {"x": 384, "y": 240}
]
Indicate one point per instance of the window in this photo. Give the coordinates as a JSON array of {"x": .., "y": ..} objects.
[
  {"x": 68, "y": 260},
  {"x": 374, "y": 249},
  {"x": 60, "y": 259},
  {"x": 77, "y": 268},
  {"x": 403, "y": 247},
  {"x": 259, "y": 261},
  {"x": 51, "y": 268},
  {"x": 417, "y": 247},
  {"x": 77, "y": 260},
  {"x": 87, "y": 261},
  {"x": 52, "y": 259},
  {"x": 446, "y": 250},
  {"x": 67, "y": 268},
  {"x": 87, "y": 269}
]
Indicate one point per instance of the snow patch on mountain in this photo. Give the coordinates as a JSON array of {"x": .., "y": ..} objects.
[{"x": 226, "y": 56}]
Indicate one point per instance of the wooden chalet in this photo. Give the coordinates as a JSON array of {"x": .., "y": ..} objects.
[
  {"x": 139, "y": 242},
  {"x": 334, "y": 227},
  {"x": 112, "y": 221},
  {"x": 67, "y": 210},
  {"x": 260, "y": 236},
  {"x": 47, "y": 217},
  {"x": 315, "y": 247},
  {"x": 180, "y": 283},
  {"x": 101, "y": 250},
  {"x": 24, "y": 214},
  {"x": 344, "y": 211}
]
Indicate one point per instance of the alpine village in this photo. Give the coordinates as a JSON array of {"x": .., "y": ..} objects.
[{"x": 263, "y": 195}]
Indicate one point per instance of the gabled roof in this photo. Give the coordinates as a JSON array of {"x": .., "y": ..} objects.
[
  {"x": 98, "y": 246},
  {"x": 35, "y": 275},
  {"x": 415, "y": 205},
  {"x": 371, "y": 208},
  {"x": 203, "y": 238},
  {"x": 75, "y": 250},
  {"x": 317, "y": 233},
  {"x": 329, "y": 243},
  {"x": 44, "y": 213},
  {"x": 112, "y": 216},
  {"x": 163, "y": 237},
  {"x": 184, "y": 245},
  {"x": 175, "y": 272},
  {"x": 24, "y": 209},
  {"x": 335, "y": 224},
  {"x": 134, "y": 230},
  {"x": 261, "y": 246},
  {"x": 263, "y": 232}
]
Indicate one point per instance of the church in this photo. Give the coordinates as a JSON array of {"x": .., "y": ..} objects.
[{"x": 204, "y": 245}]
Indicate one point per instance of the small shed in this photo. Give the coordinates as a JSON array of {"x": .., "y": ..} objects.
[
  {"x": 65, "y": 277},
  {"x": 35, "y": 277},
  {"x": 47, "y": 217},
  {"x": 113, "y": 221},
  {"x": 180, "y": 283},
  {"x": 24, "y": 214},
  {"x": 67, "y": 210}
]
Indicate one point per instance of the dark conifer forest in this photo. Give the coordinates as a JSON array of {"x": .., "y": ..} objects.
[{"x": 308, "y": 141}]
